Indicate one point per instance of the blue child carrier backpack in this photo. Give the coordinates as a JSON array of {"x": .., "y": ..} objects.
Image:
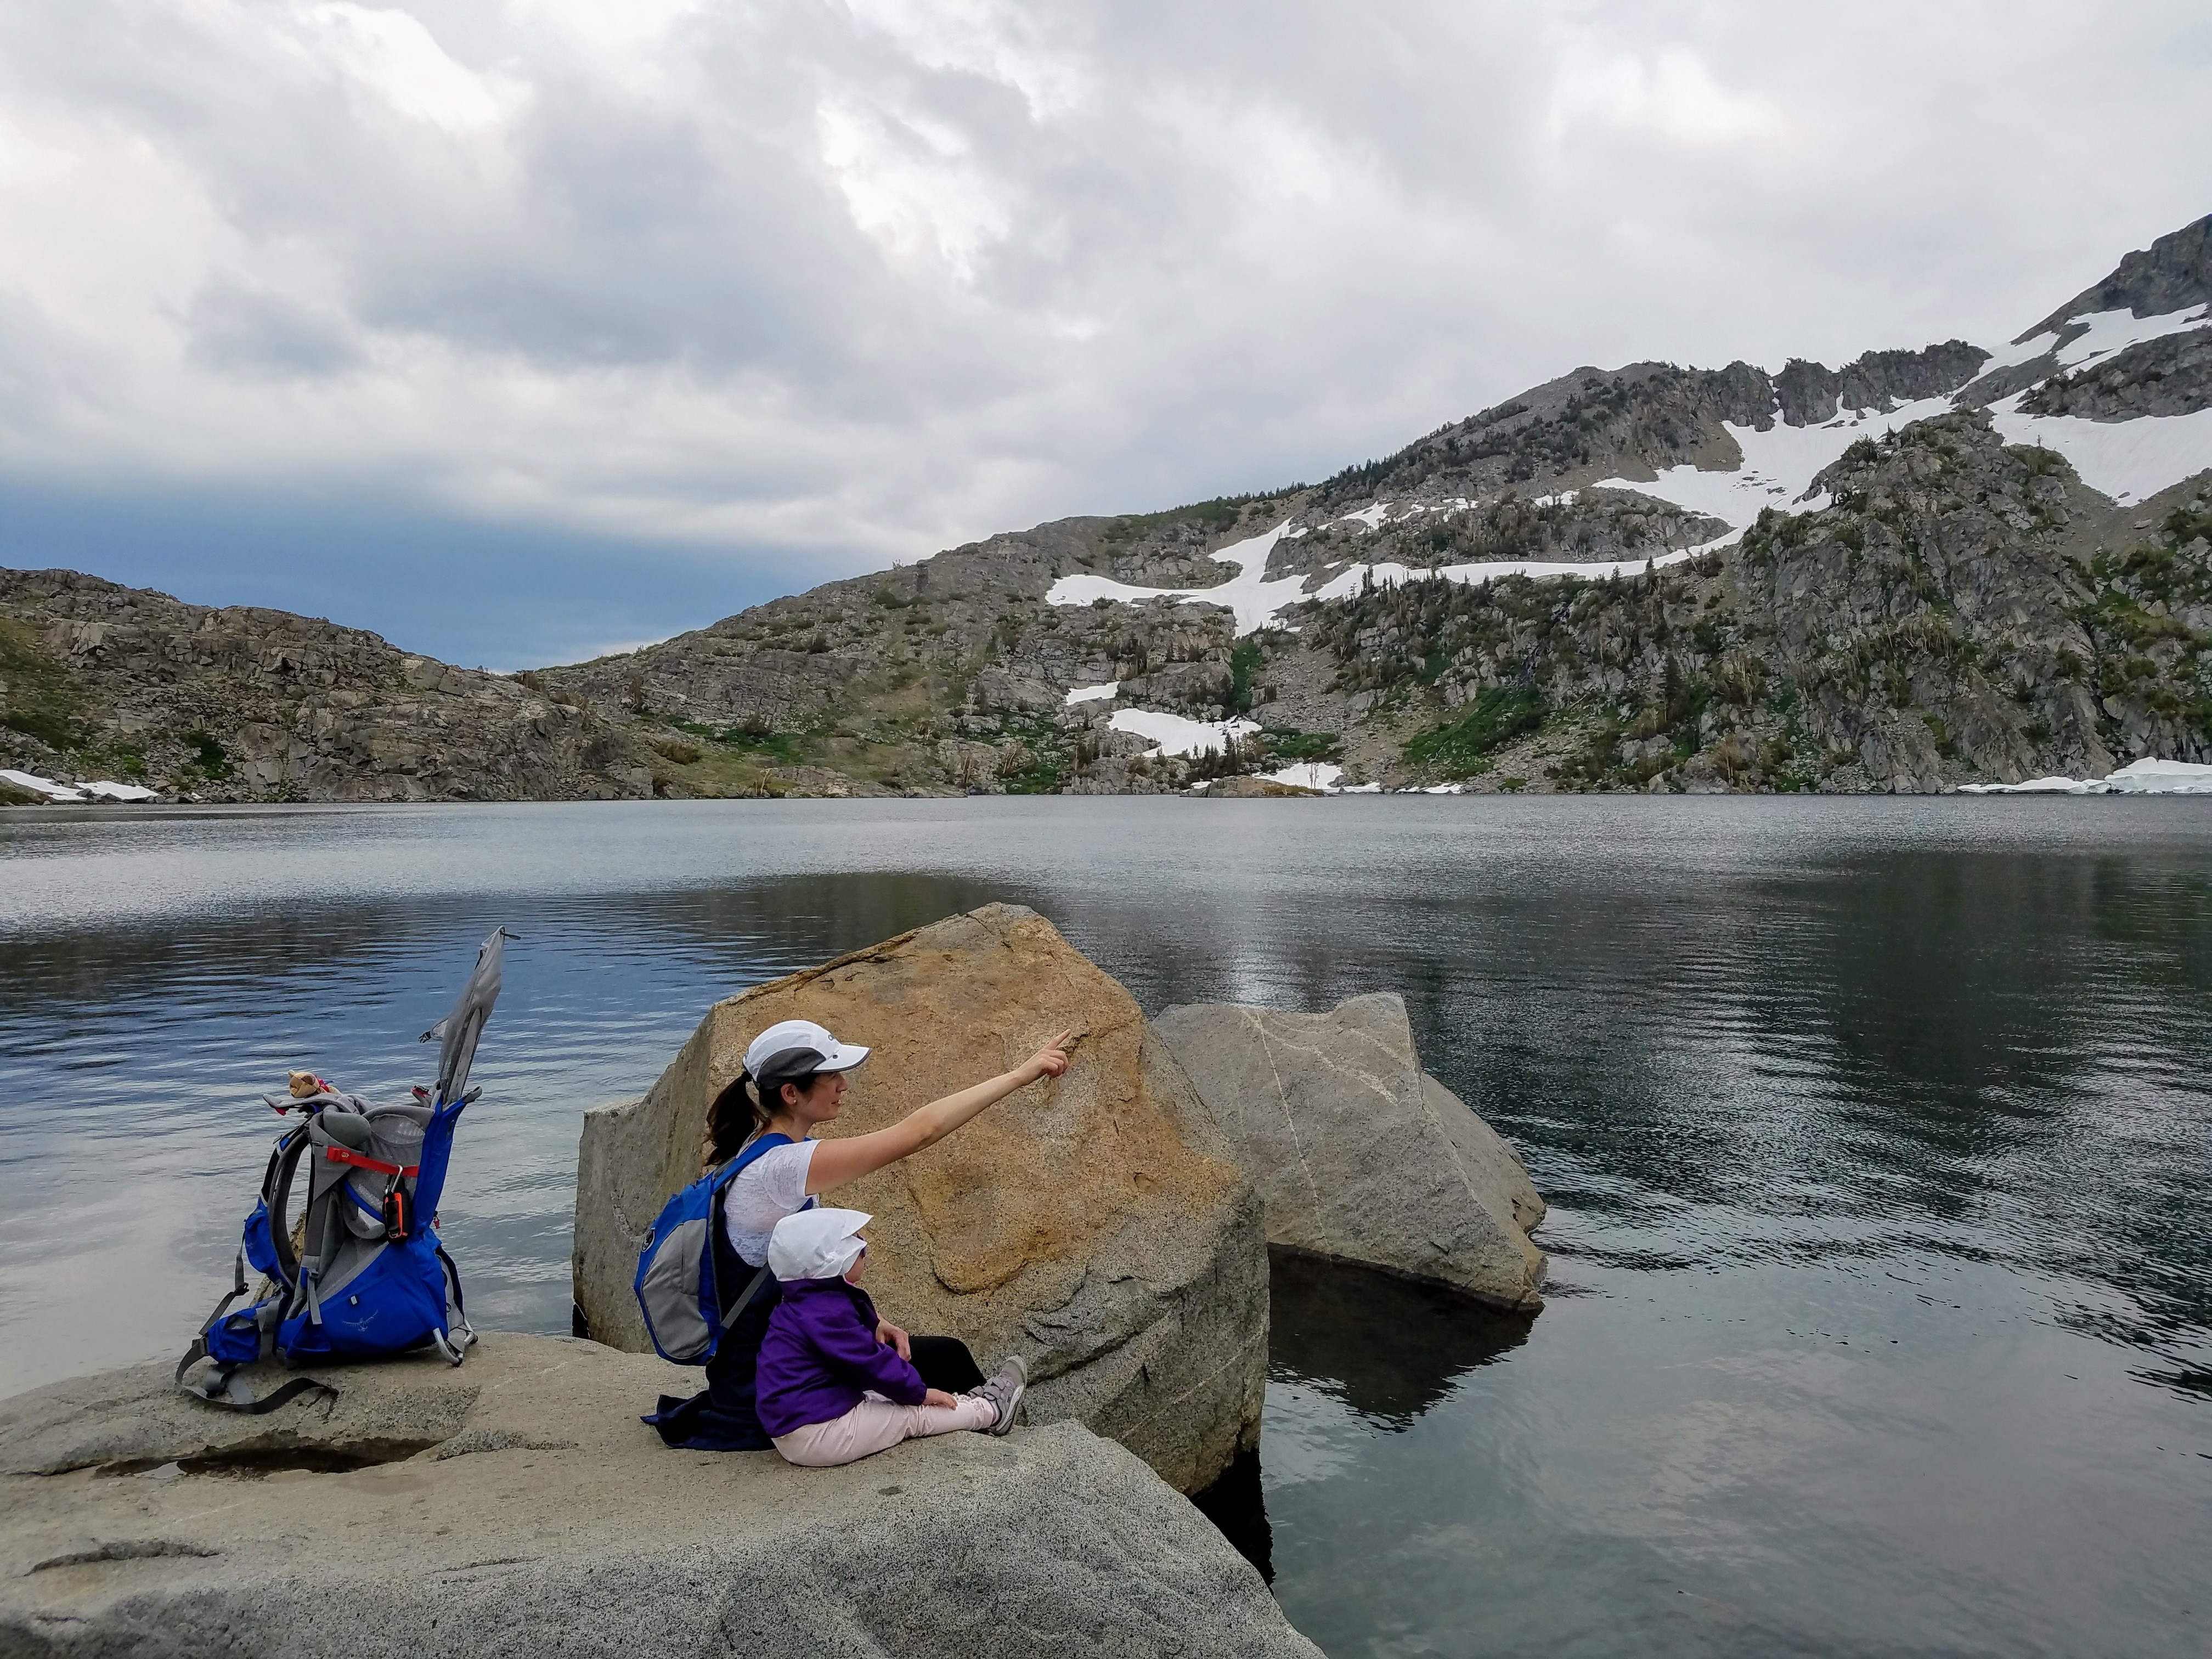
[
  {"x": 684, "y": 1313},
  {"x": 370, "y": 1277}
]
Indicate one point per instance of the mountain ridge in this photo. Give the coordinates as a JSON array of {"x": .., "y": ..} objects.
[{"x": 2006, "y": 548}]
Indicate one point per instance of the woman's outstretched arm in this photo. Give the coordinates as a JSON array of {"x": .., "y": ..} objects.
[{"x": 836, "y": 1162}]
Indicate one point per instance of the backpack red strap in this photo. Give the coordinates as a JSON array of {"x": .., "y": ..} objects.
[{"x": 341, "y": 1155}]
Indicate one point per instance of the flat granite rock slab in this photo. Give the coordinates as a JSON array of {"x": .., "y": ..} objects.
[{"x": 547, "y": 1520}]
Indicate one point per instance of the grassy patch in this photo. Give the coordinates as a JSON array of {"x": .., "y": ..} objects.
[
  {"x": 1243, "y": 662},
  {"x": 1216, "y": 514},
  {"x": 40, "y": 703},
  {"x": 1499, "y": 715},
  {"x": 1045, "y": 747},
  {"x": 1288, "y": 746},
  {"x": 754, "y": 740}
]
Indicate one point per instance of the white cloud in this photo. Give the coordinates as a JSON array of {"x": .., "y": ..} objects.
[{"x": 875, "y": 278}]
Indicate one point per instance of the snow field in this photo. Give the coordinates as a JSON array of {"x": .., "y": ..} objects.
[
  {"x": 2127, "y": 460},
  {"x": 2142, "y": 777},
  {"x": 1172, "y": 734},
  {"x": 1778, "y": 464},
  {"x": 106, "y": 789}
]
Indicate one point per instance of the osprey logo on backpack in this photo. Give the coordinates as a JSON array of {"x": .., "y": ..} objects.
[{"x": 684, "y": 1314}]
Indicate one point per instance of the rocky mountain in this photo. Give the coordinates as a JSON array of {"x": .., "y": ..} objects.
[
  {"x": 1923, "y": 569},
  {"x": 246, "y": 704}
]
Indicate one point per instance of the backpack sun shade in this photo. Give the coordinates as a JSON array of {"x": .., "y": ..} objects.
[{"x": 369, "y": 1277}]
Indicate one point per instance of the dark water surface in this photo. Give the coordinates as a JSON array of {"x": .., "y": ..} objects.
[{"x": 1877, "y": 1135}]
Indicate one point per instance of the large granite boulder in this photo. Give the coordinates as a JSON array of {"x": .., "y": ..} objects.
[
  {"x": 1358, "y": 1153},
  {"x": 517, "y": 1507},
  {"x": 1094, "y": 1223}
]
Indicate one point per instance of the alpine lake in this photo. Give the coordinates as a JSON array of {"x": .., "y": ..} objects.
[{"x": 1877, "y": 1135}]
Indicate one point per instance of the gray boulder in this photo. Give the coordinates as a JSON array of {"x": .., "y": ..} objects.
[
  {"x": 517, "y": 1507},
  {"x": 1357, "y": 1153}
]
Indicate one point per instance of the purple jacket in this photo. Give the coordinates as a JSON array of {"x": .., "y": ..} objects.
[{"x": 820, "y": 1351}]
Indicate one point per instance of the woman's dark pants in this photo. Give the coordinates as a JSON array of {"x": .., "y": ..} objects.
[{"x": 724, "y": 1418}]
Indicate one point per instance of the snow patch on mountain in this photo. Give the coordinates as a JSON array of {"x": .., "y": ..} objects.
[
  {"x": 1172, "y": 734},
  {"x": 1249, "y": 594},
  {"x": 2127, "y": 460},
  {"x": 2107, "y": 331},
  {"x": 1779, "y": 464}
]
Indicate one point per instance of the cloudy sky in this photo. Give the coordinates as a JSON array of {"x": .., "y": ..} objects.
[{"x": 518, "y": 330}]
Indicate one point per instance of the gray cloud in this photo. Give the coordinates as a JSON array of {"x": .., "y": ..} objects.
[
  {"x": 235, "y": 327},
  {"x": 872, "y": 278}
]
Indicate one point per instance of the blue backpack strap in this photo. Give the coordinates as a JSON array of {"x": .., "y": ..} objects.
[{"x": 718, "y": 1223}]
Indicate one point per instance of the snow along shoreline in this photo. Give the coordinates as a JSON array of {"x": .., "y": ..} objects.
[
  {"x": 76, "y": 794},
  {"x": 2142, "y": 777}
]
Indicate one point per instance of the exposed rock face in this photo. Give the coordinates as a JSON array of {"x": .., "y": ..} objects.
[
  {"x": 2160, "y": 378},
  {"x": 1093, "y": 1224},
  {"x": 1357, "y": 1153},
  {"x": 1809, "y": 394},
  {"x": 2174, "y": 273},
  {"x": 246, "y": 704},
  {"x": 517, "y": 1507},
  {"x": 1962, "y": 609}
]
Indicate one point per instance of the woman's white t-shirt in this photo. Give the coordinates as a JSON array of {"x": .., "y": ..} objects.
[{"x": 770, "y": 1188}]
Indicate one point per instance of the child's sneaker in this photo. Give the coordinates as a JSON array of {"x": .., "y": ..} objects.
[{"x": 1004, "y": 1389}]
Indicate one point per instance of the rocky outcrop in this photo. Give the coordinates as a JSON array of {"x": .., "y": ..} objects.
[
  {"x": 1093, "y": 1224},
  {"x": 517, "y": 1507},
  {"x": 2173, "y": 274},
  {"x": 247, "y": 704},
  {"x": 1960, "y": 610},
  {"x": 1357, "y": 1153}
]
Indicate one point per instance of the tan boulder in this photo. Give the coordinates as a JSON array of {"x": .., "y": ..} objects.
[
  {"x": 1358, "y": 1152},
  {"x": 1094, "y": 1223}
]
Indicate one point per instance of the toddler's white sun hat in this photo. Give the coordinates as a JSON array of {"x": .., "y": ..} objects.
[
  {"x": 792, "y": 1046},
  {"x": 815, "y": 1243}
]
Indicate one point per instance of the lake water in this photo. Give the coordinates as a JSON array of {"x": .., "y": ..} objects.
[{"x": 1877, "y": 1136}]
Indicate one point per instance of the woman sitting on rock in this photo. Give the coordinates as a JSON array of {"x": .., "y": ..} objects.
[
  {"x": 832, "y": 1387},
  {"x": 798, "y": 1070}
]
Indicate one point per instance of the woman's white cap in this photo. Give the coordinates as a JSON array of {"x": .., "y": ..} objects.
[
  {"x": 816, "y": 1243},
  {"x": 801, "y": 1045}
]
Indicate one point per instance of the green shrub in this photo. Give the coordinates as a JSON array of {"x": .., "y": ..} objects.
[
  {"x": 1499, "y": 715},
  {"x": 1288, "y": 746},
  {"x": 213, "y": 762},
  {"x": 1243, "y": 661}
]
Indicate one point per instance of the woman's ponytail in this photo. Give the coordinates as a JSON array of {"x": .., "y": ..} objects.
[{"x": 734, "y": 1118}]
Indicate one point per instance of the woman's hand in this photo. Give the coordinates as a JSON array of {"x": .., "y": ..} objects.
[
  {"x": 1051, "y": 1060},
  {"x": 938, "y": 1397},
  {"x": 848, "y": 1158},
  {"x": 887, "y": 1332}
]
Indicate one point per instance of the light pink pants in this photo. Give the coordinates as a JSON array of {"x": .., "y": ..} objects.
[{"x": 876, "y": 1425}]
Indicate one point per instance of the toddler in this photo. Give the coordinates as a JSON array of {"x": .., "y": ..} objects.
[{"x": 835, "y": 1384}]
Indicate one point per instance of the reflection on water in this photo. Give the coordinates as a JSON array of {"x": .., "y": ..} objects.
[
  {"x": 1387, "y": 1348},
  {"x": 1875, "y": 1134}
]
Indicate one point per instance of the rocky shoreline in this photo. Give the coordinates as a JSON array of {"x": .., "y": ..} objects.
[{"x": 1113, "y": 1226}]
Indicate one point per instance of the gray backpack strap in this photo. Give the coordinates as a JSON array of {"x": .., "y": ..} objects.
[
  {"x": 747, "y": 1294},
  {"x": 216, "y": 1390}
]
